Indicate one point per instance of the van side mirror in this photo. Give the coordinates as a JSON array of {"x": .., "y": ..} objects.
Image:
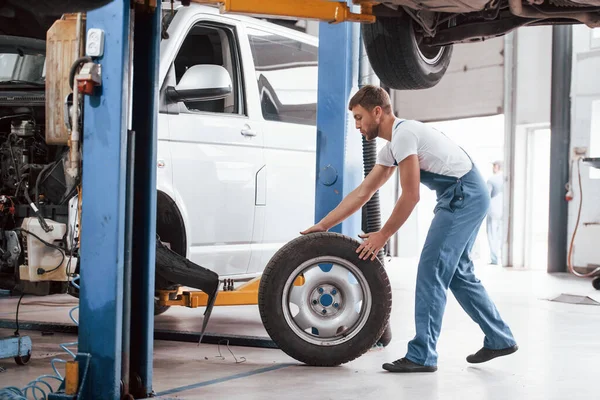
[{"x": 202, "y": 83}]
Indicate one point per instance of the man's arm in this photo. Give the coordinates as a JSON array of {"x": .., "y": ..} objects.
[
  {"x": 410, "y": 179},
  {"x": 355, "y": 200}
]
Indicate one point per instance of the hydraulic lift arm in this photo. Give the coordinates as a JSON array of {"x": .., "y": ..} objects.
[{"x": 321, "y": 10}]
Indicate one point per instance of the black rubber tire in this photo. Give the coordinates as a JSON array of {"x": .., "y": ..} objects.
[
  {"x": 162, "y": 284},
  {"x": 596, "y": 283},
  {"x": 386, "y": 338},
  {"x": 275, "y": 276},
  {"x": 23, "y": 360},
  {"x": 158, "y": 309},
  {"x": 395, "y": 57}
]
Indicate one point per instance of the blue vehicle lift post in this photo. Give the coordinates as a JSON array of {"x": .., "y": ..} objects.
[
  {"x": 339, "y": 163},
  {"x": 117, "y": 274}
]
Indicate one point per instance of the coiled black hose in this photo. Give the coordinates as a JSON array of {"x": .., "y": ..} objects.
[
  {"x": 371, "y": 217},
  {"x": 371, "y": 212}
]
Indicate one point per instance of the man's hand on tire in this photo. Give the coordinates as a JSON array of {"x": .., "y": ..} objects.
[
  {"x": 373, "y": 243},
  {"x": 315, "y": 229}
]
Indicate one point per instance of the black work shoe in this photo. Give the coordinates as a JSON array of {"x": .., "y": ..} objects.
[
  {"x": 484, "y": 354},
  {"x": 405, "y": 365}
]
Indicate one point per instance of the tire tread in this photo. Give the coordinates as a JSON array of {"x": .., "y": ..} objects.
[
  {"x": 283, "y": 254},
  {"x": 398, "y": 69}
]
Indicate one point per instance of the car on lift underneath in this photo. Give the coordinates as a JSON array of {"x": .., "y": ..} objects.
[{"x": 410, "y": 44}]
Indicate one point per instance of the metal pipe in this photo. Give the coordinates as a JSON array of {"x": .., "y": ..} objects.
[
  {"x": 74, "y": 158},
  {"x": 72, "y": 164},
  {"x": 510, "y": 126},
  {"x": 560, "y": 122}
]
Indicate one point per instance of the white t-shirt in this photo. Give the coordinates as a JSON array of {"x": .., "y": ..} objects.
[{"x": 436, "y": 152}]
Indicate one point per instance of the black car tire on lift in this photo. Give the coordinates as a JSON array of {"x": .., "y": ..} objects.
[
  {"x": 596, "y": 283},
  {"x": 162, "y": 284},
  {"x": 338, "y": 289},
  {"x": 399, "y": 58}
]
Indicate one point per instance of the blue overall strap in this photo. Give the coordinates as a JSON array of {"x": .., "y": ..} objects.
[{"x": 396, "y": 125}]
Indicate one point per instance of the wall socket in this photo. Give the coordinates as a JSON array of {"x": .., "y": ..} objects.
[{"x": 580, "y": 151}]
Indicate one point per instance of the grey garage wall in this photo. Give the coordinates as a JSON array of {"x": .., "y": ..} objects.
[{"x": 473, "y": 86}]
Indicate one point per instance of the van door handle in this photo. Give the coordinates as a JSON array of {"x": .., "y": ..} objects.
[{"x": 248, "y": 132}]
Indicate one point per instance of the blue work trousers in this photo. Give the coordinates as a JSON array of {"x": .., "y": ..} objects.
[{"x": 446, "y": 263}]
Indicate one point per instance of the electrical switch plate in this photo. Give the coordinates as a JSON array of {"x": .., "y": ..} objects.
[{"x": 94, "y": 45}]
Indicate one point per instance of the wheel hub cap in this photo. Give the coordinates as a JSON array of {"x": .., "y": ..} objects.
[
  {"x": 331, "y": 305},
  {"x": 326, "y": 300}
]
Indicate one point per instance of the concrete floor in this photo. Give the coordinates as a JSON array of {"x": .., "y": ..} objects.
[{"x": 559, "y": 354}]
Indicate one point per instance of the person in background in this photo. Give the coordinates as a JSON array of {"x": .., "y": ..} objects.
[{"x": 494, "y": 217}]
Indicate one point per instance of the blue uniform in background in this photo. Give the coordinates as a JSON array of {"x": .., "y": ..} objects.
[{"x": 494, "y": 217}]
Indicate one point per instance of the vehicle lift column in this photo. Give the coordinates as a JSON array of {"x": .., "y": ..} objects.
[
  {"x": 119, "y": 193},
  {"x": 339, "y": 161}
]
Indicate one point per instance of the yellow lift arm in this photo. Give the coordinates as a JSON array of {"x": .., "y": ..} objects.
[
  {"x": 246, "y": 294},
  {"x": 321, "y": 10}
]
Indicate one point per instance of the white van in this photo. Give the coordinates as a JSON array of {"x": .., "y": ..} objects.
[{"x": 236, "y": 176}]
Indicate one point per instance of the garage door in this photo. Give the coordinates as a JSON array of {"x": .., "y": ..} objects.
[{"x": 473, "y": 86}]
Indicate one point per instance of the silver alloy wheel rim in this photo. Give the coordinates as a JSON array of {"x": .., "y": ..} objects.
[
  {"x": 334, "y": 302},
  {"x": 428, "y": 60}
]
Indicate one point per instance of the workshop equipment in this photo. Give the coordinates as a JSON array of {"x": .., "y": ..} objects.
[
  {"x": 178, "y": 269},
  {"x": 17, "y": 347},
  {"x": 594, "y": 163}
]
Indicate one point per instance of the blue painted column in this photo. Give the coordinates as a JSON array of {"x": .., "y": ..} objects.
[
  {"x": 339, "y": 157},
  {"x": 103, "y": 215},
  {"x": 145, "y": 114}
]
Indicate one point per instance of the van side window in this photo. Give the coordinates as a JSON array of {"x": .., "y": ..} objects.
[
  {"x": 287, "y": 75},
  {"x": 212, "y": 44}
]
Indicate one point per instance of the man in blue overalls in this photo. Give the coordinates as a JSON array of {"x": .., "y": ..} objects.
[{"x": 425, "y": 155}]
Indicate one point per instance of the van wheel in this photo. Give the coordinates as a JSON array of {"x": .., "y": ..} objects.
[
  {"x": 162, "y": 284},
  {"x": 400, "y": 58},
  {"x": 158, "y": 309},
  {"x": 320, "y": 303}
]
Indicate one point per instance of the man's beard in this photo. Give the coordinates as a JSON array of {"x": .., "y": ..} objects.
[{"x": 372, "y": 134}]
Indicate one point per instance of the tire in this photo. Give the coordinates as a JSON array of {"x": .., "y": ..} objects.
[
  {"x": 158, "y": 309},
  {"x": 162, "y": 284},
  {"x": 386, "y": 338},
  {"x": 397, "y": 59},
  {"x": 324, "y": 260},
  {"x": 23, "y": 360},
  {"x": 596, "y": 283}
]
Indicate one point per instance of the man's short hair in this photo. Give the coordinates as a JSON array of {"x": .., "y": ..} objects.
[
  {"x": 498, "y": 163},
  {"x": 369, "y": 97}
]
